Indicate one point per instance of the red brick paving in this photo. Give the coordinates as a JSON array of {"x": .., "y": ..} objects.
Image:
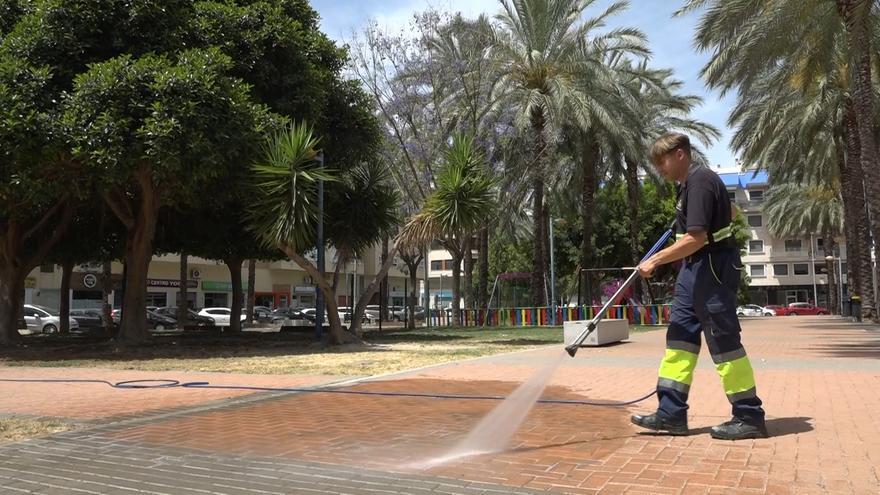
[
  {"x": 98, "y": 401},
  {"x": 819, "y": 378}
]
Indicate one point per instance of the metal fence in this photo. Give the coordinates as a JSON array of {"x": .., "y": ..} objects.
[{"x": 534, "y": 317}]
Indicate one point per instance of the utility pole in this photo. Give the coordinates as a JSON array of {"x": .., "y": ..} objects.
[
  {"x": 319, "y": 296},
  {"x": 552, "y": 276}
]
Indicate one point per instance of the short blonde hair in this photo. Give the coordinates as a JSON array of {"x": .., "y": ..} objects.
[{"x": 668, "y": 143}]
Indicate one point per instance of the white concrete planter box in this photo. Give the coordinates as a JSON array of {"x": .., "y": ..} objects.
[{"x": 607, "y": 332}]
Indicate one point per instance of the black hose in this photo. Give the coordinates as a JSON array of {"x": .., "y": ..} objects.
[{"x": 165, "y": 383}]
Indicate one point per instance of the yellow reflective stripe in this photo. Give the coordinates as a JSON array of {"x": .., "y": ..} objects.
[
  {"x": 678, "y": 365},
  {"x": 719, "y": 235},
  {"x": 737, "y": 375}
]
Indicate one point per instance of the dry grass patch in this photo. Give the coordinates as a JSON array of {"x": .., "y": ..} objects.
[
  {"x": 387, "y": 352},
  {"x": 17, "y": 429}
]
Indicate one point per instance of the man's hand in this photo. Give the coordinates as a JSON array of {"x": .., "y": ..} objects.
[{"x": 647, "y": 267}]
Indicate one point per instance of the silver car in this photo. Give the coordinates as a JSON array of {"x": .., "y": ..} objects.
[{"x": 40, "y": 319}]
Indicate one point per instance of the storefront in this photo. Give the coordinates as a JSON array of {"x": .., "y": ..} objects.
[{"x": 304, "y": 296}]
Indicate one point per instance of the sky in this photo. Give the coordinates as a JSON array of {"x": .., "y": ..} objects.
[{"x": 670, "y": 40}]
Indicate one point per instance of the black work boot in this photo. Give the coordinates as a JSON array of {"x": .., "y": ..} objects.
[
  {"x": 738, "y": 429},
  {"x": 658, "y": 423}
]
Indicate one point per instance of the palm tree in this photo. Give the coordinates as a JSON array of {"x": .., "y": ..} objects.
[
  {"x": 360, "y": 210},
  {"x": 461, "y": 204},
  {"x": 806, "y": 132},
  {"x": 795, "y": 209},
  {"x": 545, "y": 49},
  {"x": 799, "y": 41}
]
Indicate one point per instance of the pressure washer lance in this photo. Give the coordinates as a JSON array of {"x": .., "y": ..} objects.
[{"x": 572, "y": 348}]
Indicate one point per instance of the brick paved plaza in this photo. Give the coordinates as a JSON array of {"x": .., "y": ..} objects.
[{"x": 819, "y": 378}]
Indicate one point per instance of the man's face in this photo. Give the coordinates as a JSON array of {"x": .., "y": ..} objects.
[{"x": 673, "y": 165}]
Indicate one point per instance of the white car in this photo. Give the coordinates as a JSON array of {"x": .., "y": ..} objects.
[
  {"x": 754, "y": 310},
  {"x": 41, "y": 319},
  {"x": 222, "y": 316}
]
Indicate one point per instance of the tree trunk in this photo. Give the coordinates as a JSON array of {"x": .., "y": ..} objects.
[
  {"x": 412, "y": 296},
  {"x": 483, "y": 269},
  {"x": 106, "y": 289},
  {"x": 251, "y": 291},
  {"x": 183, "y": 305},
  {"x": 64, "y": 299},
  {"x": 17, "y": 261},
  {"x": 234, "y": 265},
  {"x": 468, "y": 264},
  {"x": 588, "y": 200},
  {"x": 141, "y": 229},
  {"x": 853, "y": 203},
  {"x": 337, "y": 334},
  {"x": 364, "y": 299},
  {"x": 11, "y": 286},
  {"x": 856, "y": 17},
  {"x": 539, "y": 151},
  {"x": 633, "y": 192},
  {"x": 383, "y": 288},
  {"x": 456, "y": 289},
  {"x": 860, "y": 249}
]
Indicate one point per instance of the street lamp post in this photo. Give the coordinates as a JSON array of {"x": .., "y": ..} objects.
[
  {"x": 319, "y": 244},
  {"x": 552, "y": 277}
]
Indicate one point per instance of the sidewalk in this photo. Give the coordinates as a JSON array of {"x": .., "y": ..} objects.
[{"x": 819, "y": 378}]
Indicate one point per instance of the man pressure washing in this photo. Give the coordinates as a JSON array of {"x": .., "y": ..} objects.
[{"x": 705, "y": 299}]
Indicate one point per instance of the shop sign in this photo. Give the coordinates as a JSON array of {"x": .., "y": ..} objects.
[
  {"x": 221, "y": 286},
  {"x": 90, "y": 280},
  {"x": 303, "y": 289},
  {"x": 170, "y": 283}
]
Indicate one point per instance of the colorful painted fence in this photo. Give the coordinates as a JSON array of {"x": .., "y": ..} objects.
[{"x": 532, "y": 317}]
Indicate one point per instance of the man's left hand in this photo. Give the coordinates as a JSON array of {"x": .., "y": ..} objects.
[{"x": 647, "y": 267}]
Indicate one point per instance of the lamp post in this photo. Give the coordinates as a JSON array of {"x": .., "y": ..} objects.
[
  {"x": 839, "y": 281},
  {"x": 319, "y": 244},
  {"x": 552, "y": 277}
]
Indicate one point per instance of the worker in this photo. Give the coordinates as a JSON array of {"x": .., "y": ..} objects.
[{"x": 704, "y": 301}]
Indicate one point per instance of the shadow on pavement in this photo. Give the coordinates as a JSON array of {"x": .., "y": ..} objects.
[
  {"x": 780, "y": 427},
  {"x": 866, "y": 349}
]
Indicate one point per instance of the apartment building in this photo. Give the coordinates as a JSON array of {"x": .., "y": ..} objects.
[
  {"x": 277, "y": 284},
  {"x": 782, "y": 271}
]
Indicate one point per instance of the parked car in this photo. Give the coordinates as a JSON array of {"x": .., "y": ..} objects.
[
  {"x": 310, "y": 313},
  {"x": 778, "y": 310},
  {"x": 802, "y": 309},
  {"x": 221, "y": 316},
  {"x": 262, "y": 313},
  {"x": 371, "y": 313},
  {"x": 42, "y": 319},
  {"x": 401, "y": 314},
  {"x": 194, "y": 317},
  {"x": 754, "y": 310},
  {"x": 155, "y": 321},
  {"x": 289, "y": 317},
  {"x": 88, "y": 318}
]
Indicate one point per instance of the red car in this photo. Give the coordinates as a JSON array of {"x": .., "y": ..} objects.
[{"x": 801, "y": 309}]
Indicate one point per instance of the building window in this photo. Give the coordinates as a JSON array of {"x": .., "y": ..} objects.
[
  {"x": 755, "y": 220},
  {"x": 780, "y": 270},
  {"x": 216, "y": 299},
  {"x": 756, "y": 271},
  {"x": 158, "y": 299},
  {"x": 819, "y": 244},
  {"x": 756, "y": 247},
  {"x": 731, "y": 195},
  {"x": 756, "y": 195},
  {"x": 820, "y": 269},
  {"x": 47, "y": 268},
  {"x": 793, "y": 246},
  {"x": 436, "y": 265},
  {"x": 801, "y": 269}
]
